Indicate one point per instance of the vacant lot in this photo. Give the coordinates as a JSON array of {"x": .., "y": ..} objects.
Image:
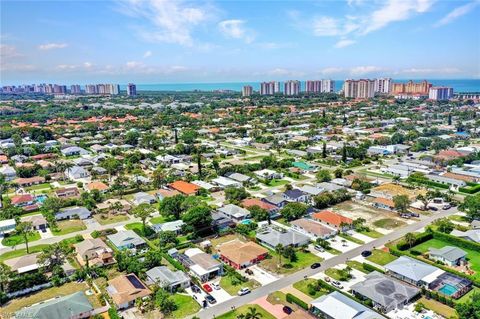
[
  {"x": 234, "y": 314},
  {"x": 304, "y": 260},
  {"x": 185, "y": 306},
  {"x": 375, "y": 217},
  {"x": 105, "y": 219},
  {"x": 68, "y": 226}
]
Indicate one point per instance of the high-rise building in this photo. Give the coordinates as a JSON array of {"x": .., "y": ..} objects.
[
  {"x": 359, "y": 89},
  {"x": 328, "y": 86},
  {"x": 292, "y": 87},
  {"x": 440, "y": 93},
  {"x": 421, "y": 88},
  {"x": 269, "y": 88},
  {"x": 313, "y": 86},
  {"x": 383, "y": 85},
  {"x": 91, "y": 89},
  {"x": 75, "y": 89},
  {"x": 247, "y": 90},
  {"x": 131, "y": 89}
]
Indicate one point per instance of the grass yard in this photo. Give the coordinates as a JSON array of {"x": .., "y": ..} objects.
[
  {"x": 381, "y": 257},
  {"x": 138, "y": 228},
  {"x": 45, "y": 294},
  {"x": 21, "y": 252},
  {"x": 334, "y": 273},
  {"x": 357, "y": 265},
  {"x": 229, "y": 286},
  {"x": 304, "y": 260},
  {"x": 68, "y": 226},
  {"x": 244, "y": 310},
  {"x": 439, "y": 308},
  {"x": 185, "y": 306},
  {"x": 105, "y": 219},
  {"x": 473, "y": 256},
  {"x": 371, "y": 233},
  {"x": 38, "y": 187},
  {"x": 277, "y": 182},
  {"x": 158, "y": 220},
  {"x": 302, "y": 286},
  {"x": 277, "y": 298},
  {"x": 388, "y": 223},
  {"x": 465, "y": 298},
  {"x": 333, "y": 251},
  {"x": 351, "y": 238},
  {"x": 17, "y": 239}
]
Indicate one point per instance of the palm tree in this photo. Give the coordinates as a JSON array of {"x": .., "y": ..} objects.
[
  {"x": 279, "y": 250},
  {"x": 65, "y": 166},
  {"x": 253, "y": 313},
  {"x": 143, "y": 211},
  {"x": 25, "y": 229},
  {"x": 410, "y": 239}
]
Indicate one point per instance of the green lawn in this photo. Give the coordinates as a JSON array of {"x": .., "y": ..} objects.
[
  {"x": 465, "y": 298},
  {"x": 472, "y": 255},
  {"x": 277, "y": 182},
  {"x": 388, "y": 223},
  {"x": 17, "y": 239},
  {"x": 372, "y": 233},
  {"x": 227, "y": 284},
  {"x": 277, "y": 297},
  {"x": 68, "y": 226},
  {"x": 244, "y": 310},
  {"x": 304, "y": 260},
  {"x": 21, "y": 252},
  {"x": 158, "y": 220},
  {"x": 351, "y": 238},
  {"x": 185, "y": 306},
  {"x": 357, "y": 265},
  {"x": 104, "y": 219},
  {"x": 302, "y": 286},
  {"x": 333, "y": 251},
  {"x": 438, "y": 308},
  {"x": 381, "y": 257},
  {"x": 138, "y": 228},
  {"x": 37, "y": 187},
  {"x": 333, "y": 273}
]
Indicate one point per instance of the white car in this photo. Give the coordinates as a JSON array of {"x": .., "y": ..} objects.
[
  {"x": 215, "y": 285},
  {"x": 337, "y": 284},
  {"x": 243, "y": 291}
]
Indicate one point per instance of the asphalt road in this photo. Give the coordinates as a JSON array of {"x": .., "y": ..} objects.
[{"x": 223, "y": 307}]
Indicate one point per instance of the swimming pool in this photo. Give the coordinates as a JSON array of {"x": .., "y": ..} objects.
[
  {"x": 41, "y": 198},
  {"x": 448, "y": 289}
]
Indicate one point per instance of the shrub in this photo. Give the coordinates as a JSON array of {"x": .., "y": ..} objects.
[
  {"x": 293, "y": 299},
  {"x": 371, "y": 268}
]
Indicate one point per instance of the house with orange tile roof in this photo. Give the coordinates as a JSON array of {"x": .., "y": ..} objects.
[
  {"x": 250, "y": 202},
  {"x": 383, "y": 203},
  {"x": 185, "y": 188},
  {"x": 96, "y": 185},
  {"x": 3, "y": 159},
  {"x": 332, "y": 219}
]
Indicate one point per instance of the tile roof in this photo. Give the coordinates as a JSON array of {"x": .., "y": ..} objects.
[
  {"x": 331, "y": 218},
  {"x": 184, "y": 187}
]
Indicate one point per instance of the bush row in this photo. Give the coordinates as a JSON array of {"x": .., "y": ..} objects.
[
  {"x": 470, "y": 189},
  {"x": 371, "y": 268},
  {"x": 293, "y": 299},
  {"x": 420, "y": 238}
]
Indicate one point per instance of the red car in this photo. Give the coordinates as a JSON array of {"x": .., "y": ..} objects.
[{"x": 207, "y": 288}]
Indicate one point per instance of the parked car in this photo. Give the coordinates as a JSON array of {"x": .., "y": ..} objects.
[
  {"x": 215, "y": 285},
  {"x": 319, "y": 248},
  {"x": 315, "y": 265},
  {"x": 337, "y": 284},
  {"x": 433, "y": 208},
  {"x": 447, "y": 206},
  {"x": 211, "y": 300},
  {"x": 243, "y": 291},
  {"x": 207, "y": 288},
  {"x": 196, "y": 289},
  {"x": 287, "y": 310},
  {"x": 249, "y": 271},
  {"x": 366, "y": 253}
]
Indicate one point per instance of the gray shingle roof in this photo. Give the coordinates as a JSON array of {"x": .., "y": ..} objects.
[
  {"x": 58, "y": 308},
  {"x": 450, "y": 253}
]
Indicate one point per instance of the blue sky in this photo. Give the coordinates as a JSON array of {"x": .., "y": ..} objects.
[{"x": 167, "y": 41}]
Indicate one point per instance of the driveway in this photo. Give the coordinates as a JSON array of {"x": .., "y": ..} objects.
[
  {"x": 275, "y": 310},
  {"x": 46, "y": 234},
  {"x": 337, "y": 244},
  {"x": 220, "y": 295},
  {"x": 260, "y": 275}
]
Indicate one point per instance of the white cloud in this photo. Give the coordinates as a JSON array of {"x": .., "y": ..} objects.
[
  {"x": 457, "y": 12},
  {"x": 172, "y": 21},
  {"x": 344, "y": 43},
  {"x": 52, "y": 46},
  {"x": 423, "y": 71},
  {"x": 395, "y": 10},
  {"x": 326, "y": 26},
  {"x": 147, "y": 54},
  {"x": 9, "y": 51},
  {"x": 362, "y": 70},
  {"x": 331, "y": 70},
  {"x": 236, "y": 29}
]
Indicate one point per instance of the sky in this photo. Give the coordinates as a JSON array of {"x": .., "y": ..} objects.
[{"x": 179, "y": 41}]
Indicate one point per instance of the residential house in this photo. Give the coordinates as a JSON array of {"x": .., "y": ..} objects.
[
  {"x": 161, "y": 194},
  {"x": 185, "y": 188},
  {"x": 296, "y": 195},
  {"x": 273, "y": 236},
  {"x": 472, "y": 234},
  {"x": 23, "y": 200},
  {"x": 334, "y": 220},
  {"x": 385, "y": 293},
  {"x": 268, "y": 174},
  {"x": 127, "y": 239},
  {"x": 96, "y": 185},
  {"x": 168, "y": 279},
  {"x": 236, "y": 213},
  {"x": 23, "y": 264},
  {"x": 173, "y": 226},
  {"x": 74, "y": 306},
  {"x": 241, "y": 178},
  {"x": 143, "y": 198},
  {"x": 276, "y": 200},
  {"x": 74, "y": 151},
  {"x": 7, "y": 226},
  {"x": 76, "y": 173},
  {"x": 312, "y": 228},
  {"x": 383, "y": 203},
  {"x": 221, "y": 221},
  {"x": 250, "y": 202},
  {"x": 95, "y": 252},
  {"x": 336, "y": 305},
  {"x": 25, "y": 182},
  {"x": 9, "y": 172},
  {"x": 224, "y": 182},
  {"x": 449, "y": 255},
  {"x": 69, "y": 192},
  {"x": 240, "y": 255},
  {"x": 201, "y": 265},
  {"x": 38, "y": 221},
  {"x": 125, "y": 289},
  {"x": 73, "y": 213}
]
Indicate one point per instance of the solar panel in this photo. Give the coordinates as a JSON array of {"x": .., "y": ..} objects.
[{"x": 135, "y": 282}]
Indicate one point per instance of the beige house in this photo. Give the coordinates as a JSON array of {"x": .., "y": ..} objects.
[{"x": 95, "y": 251}]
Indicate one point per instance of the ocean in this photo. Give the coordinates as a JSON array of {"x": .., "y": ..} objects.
[{"x": 467, "y": 85}]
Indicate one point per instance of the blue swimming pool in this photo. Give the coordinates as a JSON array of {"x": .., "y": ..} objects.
[
  {"x": 41, "y": 198},
  {"x": 448, "y": 289}
]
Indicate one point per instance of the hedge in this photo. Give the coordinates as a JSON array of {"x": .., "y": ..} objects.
[
  {"x": 460, "y": 242},
  {"x": 427, "y": 182},
  {"x": 293, "y": 299},
  {"x": 470, "y": 189},
  {"x": 174, "y": 262},
  {"x": 420, "y": 238},
  {"x": 371, "y": 268}
]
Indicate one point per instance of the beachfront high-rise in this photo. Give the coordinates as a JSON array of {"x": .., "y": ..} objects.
[
  {"x": 359, "y": 89},
  {"x": 269, "y": 88},
  {"x": 75, "y": 89},
  {"x": 319, "y": 86},
  {"x": 292, "y": 87},
  {"x": 440, "y": 93},
  {"x": 131, "y": 89},
  {"x": 383, "y": 85},
  {"x": 247, "y": 90}
]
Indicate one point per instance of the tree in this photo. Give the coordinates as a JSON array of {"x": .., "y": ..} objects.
[
  {"x": 323, "y": 243},
  {"x": 344, "y": 153},
  {"x": 167, "y": 237},
  {"x": 159, "y": 177},
  {"x": 424, "y": 201},
  {"x": 324, "y": 175},
  {"x": 293, "y": 210},
  {"x": 324, "y": 150},
  {"x": 199, "y": 164},
  {"x": 198, "y": 219},
  {"x": 410, "y": 239},
  {"x": 5, "y": 274},
  {"x": 112, "y": 165},
  {"x": 359, "y": 224},
  {"x": 54, "y": 255},
  {"x": 172, "y": 206},
  {"x": 338, "y": 173},
  {"x": 401, "y": 203},
  {"x": 445, "y": 225},
  {"x": 469, "y": 309},
  {"x": 258, "y": 213},
  {"x": 290, "y": 254},
  {"x": 471, "y": 206},
  {"x": 25, "y": 229},
  {"x": 143, "y": 211},
  {"x": 279, "y": 250},
  {"x": 164, "y": 301},
  {"x": 252, "y": 313},
  {"x": 235, "y": 193}
]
